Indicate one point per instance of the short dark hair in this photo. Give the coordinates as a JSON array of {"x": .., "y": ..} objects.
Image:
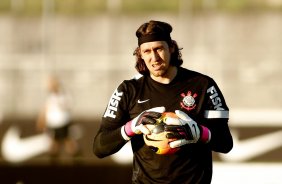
[{"x": 162, "y": 29}]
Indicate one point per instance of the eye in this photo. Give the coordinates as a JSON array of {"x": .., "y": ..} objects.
[
  {"x": 146, "y": 51},
  {"x": 160, "y": 49}
]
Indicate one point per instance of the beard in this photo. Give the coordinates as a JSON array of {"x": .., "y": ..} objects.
[
  {"x": 163, "y": 71},
  {"x": 159, "y": 73}
]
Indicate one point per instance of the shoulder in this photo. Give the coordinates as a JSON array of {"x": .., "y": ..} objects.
[
  {"x": 131, "y": 84},
  {"x": 194, "y": 75},
  {"x": 134, "y": 81}
]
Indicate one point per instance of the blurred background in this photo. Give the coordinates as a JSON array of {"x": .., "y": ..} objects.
[{"x": 89, "y": 44}]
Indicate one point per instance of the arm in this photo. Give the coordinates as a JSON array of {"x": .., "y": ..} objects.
[
  {"x": 109, "y": 140},
  {"x": 221, "y": 139},
  {"x": 41, "y": 120},
  {"x": 216, "y": 119},
  {"x": 117, "y": 127}
]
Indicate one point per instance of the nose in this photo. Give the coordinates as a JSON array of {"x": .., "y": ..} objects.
[{"x": 155, "y": 56}]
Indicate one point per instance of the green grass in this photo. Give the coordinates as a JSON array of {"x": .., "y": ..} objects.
[
  {"x": 150, "y": 6},
  {"x": 92, "y": 7}
]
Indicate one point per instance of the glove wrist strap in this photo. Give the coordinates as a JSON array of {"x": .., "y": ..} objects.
[
  {"x": 206, "y": 134},
  {"x": 128, "y": 130},
  {"x": 123, "y": 134}
]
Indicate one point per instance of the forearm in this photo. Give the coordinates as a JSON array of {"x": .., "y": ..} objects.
[
  {"x": 111, "y": 136},
  {"x": 221, "y": 138},
  {"x": 107, "y": 142},
  {"x": 41, "y": 121}
]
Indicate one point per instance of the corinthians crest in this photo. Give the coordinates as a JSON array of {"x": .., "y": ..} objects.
[{"x": 188, "y": 101}]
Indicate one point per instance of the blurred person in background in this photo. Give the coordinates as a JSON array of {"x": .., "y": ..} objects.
[
  {"x": 201, "y": 125},
  {"x": 55, "y": 119}
]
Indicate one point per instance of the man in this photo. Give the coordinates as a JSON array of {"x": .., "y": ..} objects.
[
  {"x": 55, "y": 119},
  {"x": 165, "y": 86}
]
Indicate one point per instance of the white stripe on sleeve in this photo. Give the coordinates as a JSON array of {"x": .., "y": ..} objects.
[{"x": 210, "y": 114}]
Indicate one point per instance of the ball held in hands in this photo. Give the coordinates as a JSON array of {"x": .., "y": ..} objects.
[{"x": 158, "y": 140}]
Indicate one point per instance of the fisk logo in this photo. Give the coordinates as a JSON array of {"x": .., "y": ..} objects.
[
  {"x": 216, "y": 100},
  {"x": 113, "y": 104}
]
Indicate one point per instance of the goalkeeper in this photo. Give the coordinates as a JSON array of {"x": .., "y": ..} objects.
[{"x": 164, "y": 85}]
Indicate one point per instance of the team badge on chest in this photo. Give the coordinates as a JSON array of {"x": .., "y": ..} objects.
[{"x": 188, "y": 101}]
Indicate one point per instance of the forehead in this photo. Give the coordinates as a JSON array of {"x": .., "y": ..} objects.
[{"x": 154, "y": 44}]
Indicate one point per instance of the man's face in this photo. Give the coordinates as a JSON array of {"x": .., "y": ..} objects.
[{"x": 157, "y": 57}]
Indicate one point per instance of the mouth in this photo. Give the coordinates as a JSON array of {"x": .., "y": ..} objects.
[{"x": 157, "y": 66}]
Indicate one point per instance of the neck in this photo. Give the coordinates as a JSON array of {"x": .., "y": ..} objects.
[{"x": 167, "y": 77}]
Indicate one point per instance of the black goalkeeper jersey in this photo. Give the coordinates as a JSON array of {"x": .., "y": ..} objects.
[{"x": 195, "y": 94}]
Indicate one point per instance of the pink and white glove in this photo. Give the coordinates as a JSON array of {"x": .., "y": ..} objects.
[
  {"x": 138, "y": 124},
  {"x": 185, "y": 130}
]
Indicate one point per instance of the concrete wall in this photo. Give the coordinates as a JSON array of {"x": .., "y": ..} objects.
[{"x": 92, "y": 55}]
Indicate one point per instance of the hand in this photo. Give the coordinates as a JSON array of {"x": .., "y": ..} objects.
[
  {"x": 185, "y": 130},
  {"x": 138, "y": 124}
]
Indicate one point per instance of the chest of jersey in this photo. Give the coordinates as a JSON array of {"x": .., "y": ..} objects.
[{"x": 185, "y": 95}]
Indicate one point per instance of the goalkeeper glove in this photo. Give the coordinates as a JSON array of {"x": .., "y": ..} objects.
[
  {"x": 185, "y": 130},
  {"x": 138, "y": 124}
]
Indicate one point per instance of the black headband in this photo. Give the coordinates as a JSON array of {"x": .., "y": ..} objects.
[{"x": 153, "y": 37}]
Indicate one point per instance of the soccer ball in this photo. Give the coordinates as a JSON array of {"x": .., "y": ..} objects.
[{"x": 157, "y": 140}]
